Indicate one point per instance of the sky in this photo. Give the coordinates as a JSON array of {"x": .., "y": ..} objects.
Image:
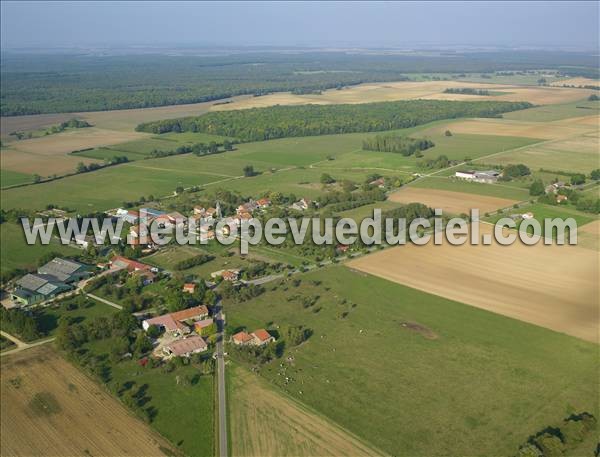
[{"x": 381, "y": 24}]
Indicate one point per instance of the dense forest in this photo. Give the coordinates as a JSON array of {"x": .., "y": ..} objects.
[
  {"x": 50, "y": 83},
  {"x": 260, "y": 124},
  {"x": 395, "y": 143}
]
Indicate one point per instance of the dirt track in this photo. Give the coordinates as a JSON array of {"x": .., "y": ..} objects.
[
  {"x": 50, "y": 408},
  {"x": 550, "y": 286},
  {"x": 450, "y": 202}
]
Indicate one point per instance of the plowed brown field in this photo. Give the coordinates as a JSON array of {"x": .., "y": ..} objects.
[{"x": 50, "y": 408}]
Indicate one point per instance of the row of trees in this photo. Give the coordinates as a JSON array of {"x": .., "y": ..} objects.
[
  {"x": 466, "y": 91},
  {"x": 83, "y": 168},
  {"x": 261, "y": 124},
  {"x": 396, "y": 143},
  {"x": 193, "y": 262}
]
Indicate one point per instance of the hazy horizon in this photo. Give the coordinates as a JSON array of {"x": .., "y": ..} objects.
[{"x": 566, "y": 25}]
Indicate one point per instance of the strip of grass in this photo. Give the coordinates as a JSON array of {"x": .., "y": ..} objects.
[
  {"x": 491, "y": 190},
  {"x": 12, "y": 178}
]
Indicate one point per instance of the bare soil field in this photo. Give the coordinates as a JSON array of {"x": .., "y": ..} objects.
[
  {"x": 575, "y": 154},
  {"x": 505, "y": 127},
  {"x": 123, "y": 120},
  {"x": 41, "y": 164},
  {"x": 450, "y": 202},
  {"x": 551, "y": 286},
  {"x": 588, "y": 236},
  {"x": 265, "y": 423},
  {"x": 50, "y": 154},
  {"x": 380, "y": 92},
  {"x": 50, "y": 408},
  {"x": 577, "y": 82}
]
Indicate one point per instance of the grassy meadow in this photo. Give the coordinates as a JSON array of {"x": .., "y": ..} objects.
[
  {"x": 12, "y": 178},
  {"x": 16, "y": 253},
  {"x": 412, "y": 372},
  {"x": 174, "y": 404}
]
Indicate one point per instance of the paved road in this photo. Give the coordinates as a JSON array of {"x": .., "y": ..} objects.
[
  {"x": 221, "y": 386},
  {"x": 21, "y": 345}
]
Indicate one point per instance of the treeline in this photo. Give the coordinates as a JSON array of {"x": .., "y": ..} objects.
[
  {"x": 198, "y": 149},
  {"x": 466, "y": 91},
  {"x": 261, "y": 124},
  {"x": 396, "y": 143},
  {"x": 83, "y": 168},
  {"x": 193, "y": 262},
  {"x": 19, "y": 323}
]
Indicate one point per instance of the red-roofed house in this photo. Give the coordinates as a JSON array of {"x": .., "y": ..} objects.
[
  {"x": 121, "y": 263},
  {"x": 263, "y": 202},
  {"x": 205, "y": 327},
  {"x": 241, "y": 339},
  {"x": 189, "y": 287},
  {"x": 175, "y": 322},
  {"x": 185, "y": 347},
  {"x": 261, "y": 337}
]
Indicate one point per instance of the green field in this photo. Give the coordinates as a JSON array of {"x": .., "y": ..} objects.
[
  {"x": 48, "y": 316},
  {"x": 455, "y": 185},
  {"x": 579, "y": 155},
  {"x": 484, "y": 387},
  {"x": 11, "y": 178},
  {"x": 555, "y": 112},
  {"x": 184, "y": 414},
  {"x": 457, "y": 147},
  {"x": 16, "y": 253},
  {"x": 110, "y": 187}
]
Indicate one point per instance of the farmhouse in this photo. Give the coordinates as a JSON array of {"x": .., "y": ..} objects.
[
  {"x": 227, "y": 275},
  {"x": 205, "y": 327},
  {"x": 259, "y": 337},
  {"x": 177, "y": 322},
  {"x": 151, "y": 213},
  {"x": 35, "y": 288},
  {"x": 123, "y": 263},
  {"x": 129, "y": 216},
  {"x": 176, "y": 218},
  {"x": 561, "y": 198},
  {"x": 199, "y": 210},
  {"x": 378, "y": 182},
  {"x": 244, "y": 216},
  {"x": 189, "y": 287},
  {"x": 185, "y": 347},
  {"x": 248, "y": 207},
  {"x": 64, "y": 270},
  {"x": 263, "y": 203},
  {"x": 488, "y": 177},
  {"x": 241, "y": 339},
  {"x": 527, "y": 216},
  {"x": 554, "y": 187},
  {"x": 302, "y": 204}
]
